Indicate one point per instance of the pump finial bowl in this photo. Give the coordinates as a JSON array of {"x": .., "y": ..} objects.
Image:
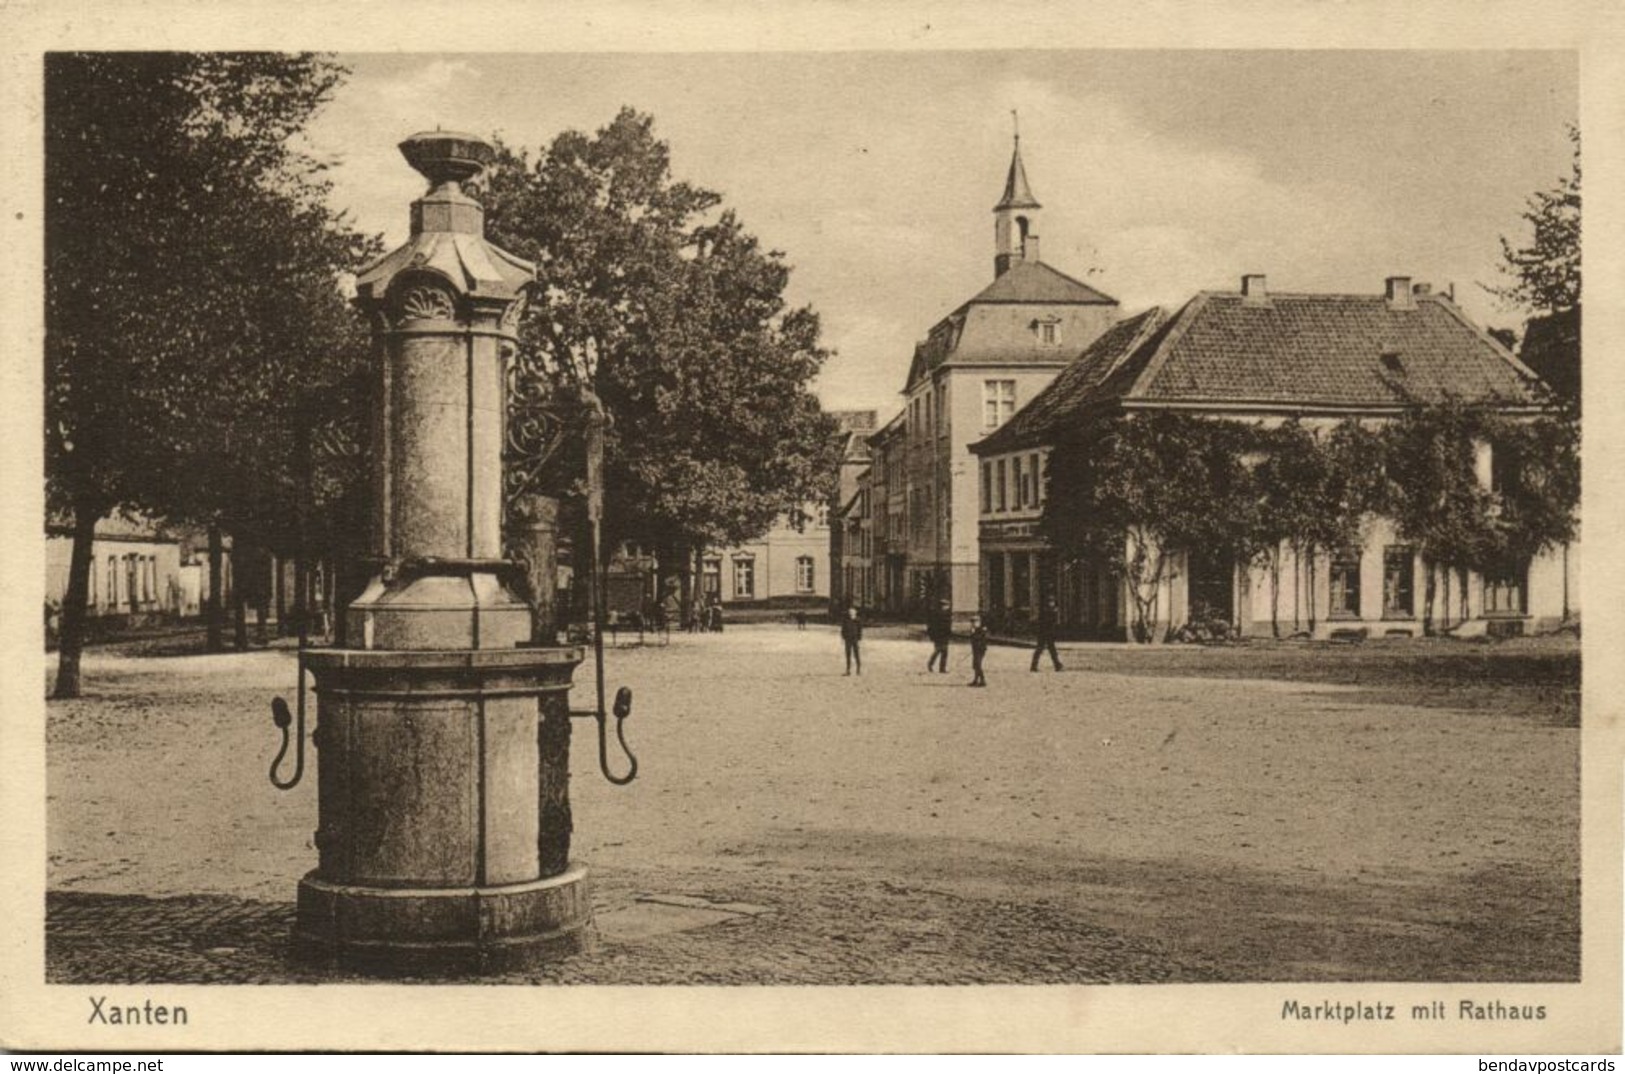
[{"x": 447, "y": 156}]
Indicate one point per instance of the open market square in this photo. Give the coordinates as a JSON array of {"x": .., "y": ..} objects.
[{"x": 1403, "y": 811}]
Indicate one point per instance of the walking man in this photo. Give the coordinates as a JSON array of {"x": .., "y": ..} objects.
[
  {"x": 939, "y": 627},
  {"x": 1046, "y": 635},
  {"x": 978, "y": 650},
  {"x": 851, "y": 635}
]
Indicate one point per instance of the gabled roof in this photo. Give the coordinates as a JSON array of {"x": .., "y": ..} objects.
[
  {"x": 1295, "y": 353},
  {"x": 854, "y": 446},
  {"x": 893, "y": 428},
  {"x": 1017, "y": 194},
  {"x": 1034, "y": 423}
]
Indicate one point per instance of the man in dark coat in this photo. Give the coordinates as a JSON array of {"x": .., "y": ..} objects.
[
  {"x": 1045, "y": 639},
  {"x": 939, "y": 627}
]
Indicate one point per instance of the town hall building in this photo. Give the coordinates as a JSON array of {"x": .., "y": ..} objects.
[
  {"x": 1260, "y": 357},
  {"x": 974, "y": 370}
]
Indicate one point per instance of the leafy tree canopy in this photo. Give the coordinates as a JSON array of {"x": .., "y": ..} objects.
[
  {"x": 192, "y": 270},
  {"x": 673, "y": 315},
  {"x": 1543, "y": 272}
]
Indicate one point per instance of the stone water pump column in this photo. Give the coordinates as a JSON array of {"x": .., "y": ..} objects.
[{"x": 427, "y": 737}]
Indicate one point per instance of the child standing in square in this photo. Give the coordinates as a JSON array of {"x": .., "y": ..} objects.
[{"x": 978, "y": 650}]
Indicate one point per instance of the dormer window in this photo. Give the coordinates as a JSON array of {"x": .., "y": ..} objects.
[{"x": 1048, "y": 330}]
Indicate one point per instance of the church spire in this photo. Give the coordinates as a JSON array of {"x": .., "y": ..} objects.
[
  {"x": 1013, "y": 217},
  {"x": 1017, "y": 194}
]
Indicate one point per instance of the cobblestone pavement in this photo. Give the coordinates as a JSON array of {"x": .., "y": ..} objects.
[
  {"x": 1175, "y": 821},
  {"x": 809, "y": 933}
]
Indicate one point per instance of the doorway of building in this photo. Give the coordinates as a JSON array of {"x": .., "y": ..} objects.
[{"x": 1211, "y": 586}]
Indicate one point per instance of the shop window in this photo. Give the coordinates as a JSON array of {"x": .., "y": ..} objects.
[
  {"x": 1398, "y": 582},
  {"x": 1020, "y": 581},
  {"x": 1345, "y": 584}
]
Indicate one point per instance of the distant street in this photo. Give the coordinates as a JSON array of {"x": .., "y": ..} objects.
[{"x": 1392, "y": 811}]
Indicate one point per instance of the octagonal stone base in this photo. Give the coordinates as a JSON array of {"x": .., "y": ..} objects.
[{"x": 393, "y": 931}]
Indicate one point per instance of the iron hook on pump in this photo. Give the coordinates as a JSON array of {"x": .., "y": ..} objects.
[
  {"x": 283, "y": 718},
  {"x": 596, "y": 420}
]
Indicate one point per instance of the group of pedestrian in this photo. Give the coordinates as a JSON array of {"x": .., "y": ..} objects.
[
  {"x": 939, "y": 629},
  {"x": 705, "y": 618}
]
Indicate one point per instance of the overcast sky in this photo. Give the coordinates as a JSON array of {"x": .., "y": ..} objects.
[{"x": 1161, "y": 173}]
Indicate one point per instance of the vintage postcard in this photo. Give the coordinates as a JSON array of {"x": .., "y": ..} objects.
[{"x": 999, "y": 528}]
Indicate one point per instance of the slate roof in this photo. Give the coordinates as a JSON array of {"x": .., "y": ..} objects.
[
  {"x": 1024, "y": 283},
  {"x": 1301, "y": 353},
  {"x": 1034, "y": 281},
  {"x": 1017, "y": 194}
]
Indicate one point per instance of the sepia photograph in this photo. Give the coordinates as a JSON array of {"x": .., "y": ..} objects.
[{"x": 712, "y": 522}]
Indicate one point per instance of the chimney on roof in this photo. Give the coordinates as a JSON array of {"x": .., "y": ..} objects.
[
  {"x": 1398, "y": 293},
  {"x": 1029, "y": 248},
  {"x": 1253, "y": 292}
]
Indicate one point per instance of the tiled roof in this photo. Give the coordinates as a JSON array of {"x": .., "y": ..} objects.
[
  {"x": 1053, "y": 405},
  {"x": 1034, "y": 281},
  {"x": 1339, "y": 350},
  {"x": 1291, "y": 352}
]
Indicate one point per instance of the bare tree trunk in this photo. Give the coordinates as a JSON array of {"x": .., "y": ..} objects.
[
  {"x": 213, "y": 613},
  {"x": 1565, "y": 581},
  {"x": 71, "y": 639},
  {"x": 1313, "y": 609},
  {"x": 262, "y": 605},
  {"x": 301, "y": 593},
  {"x": 1275, "y": 591},
  {"x": 1428, "y": 591},
  {"x": 280, "y": 564},
  {"x": 240, "y": 557},
  {"x": 1297, "y": 588}
]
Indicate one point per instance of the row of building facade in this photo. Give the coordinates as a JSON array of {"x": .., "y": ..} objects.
[{"x": 945, "y": 500}]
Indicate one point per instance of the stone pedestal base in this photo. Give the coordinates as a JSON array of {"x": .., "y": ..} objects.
[{"x": 446, "y": 930}]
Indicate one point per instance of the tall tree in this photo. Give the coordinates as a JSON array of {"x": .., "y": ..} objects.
[
  {"x": 1436, "y": 497},
  {"x": 1543, "y": 270},
  {"x": 1134, "y": 492},
  {"x": 673, "y": 315},
  {"x": 177, "y": 211}
]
